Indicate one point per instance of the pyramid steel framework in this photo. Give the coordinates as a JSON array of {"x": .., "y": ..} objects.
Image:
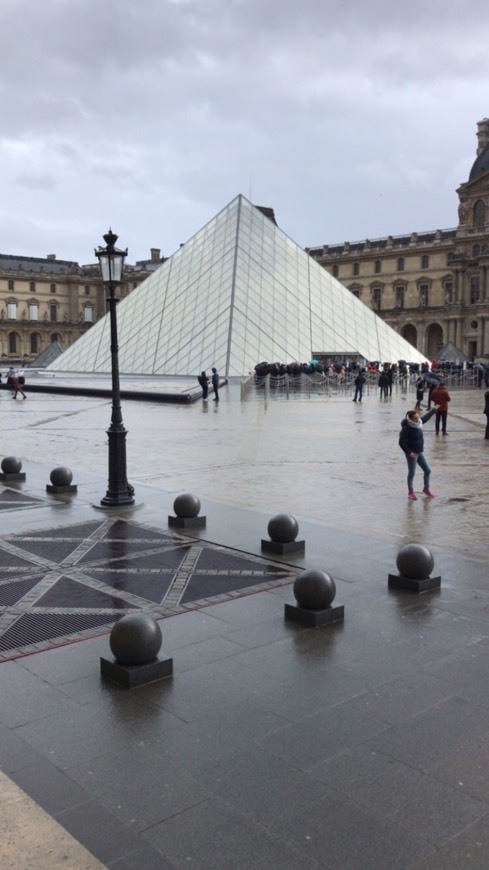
[{"x": 240, "y": 291}]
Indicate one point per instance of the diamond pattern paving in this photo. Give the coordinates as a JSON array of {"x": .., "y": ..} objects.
[{"x": 66, "y": 584}]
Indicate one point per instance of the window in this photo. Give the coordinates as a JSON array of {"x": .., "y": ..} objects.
[
  {"x": 476, "y": 251},
  {"x": 377, "y": 298},
  {"x": 12, "y": 310},
  {"x": 34, "y": 343},
  {"x": 53, "y": 288},
  {"x": 425, "y": 261},
  {"x": 423, "y": 295},
  {"x": 356, "y": 293},
  {"x": 32, "y": 286},
  {"x": 474, "y": 288},
  {"x": 335, "y": 271},
  {"x": 88, "y": 314},
  {"x": 53, "y": 313},
  {"x": 399, "y": 297},
  {"x": 34, "y": 311},
  {"x": 12, "y": 342},
  {"x": 479, "y": 214},
  {"x": 87, "y": 291},
  {"x": 400, "y": 264},
  {"x": 378, "y": 267},
  {"x": 10, "y": 285},
  {"x": 448, "y": 287},
  {"x": 356, "y": 268}
]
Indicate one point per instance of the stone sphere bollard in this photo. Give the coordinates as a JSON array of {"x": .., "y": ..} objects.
[
  {"x": 61, "y": 476},
  {"x": 314, "y": 589},
  {"x": 415, "y": 561},
  {"x": 186, "y": 506},
  {"x": 136, "y": 639},
  {"x": 283, "y": 528},
  {"x": 11, "y": 465}
]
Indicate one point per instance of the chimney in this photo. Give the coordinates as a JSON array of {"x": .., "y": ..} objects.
[
  {"x": 155, "y": 254},
  {"x": 50, "y": 256},
  {"x": 482, "y": 135}
]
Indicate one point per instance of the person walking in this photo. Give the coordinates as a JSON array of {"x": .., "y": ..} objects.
[
  {"x": 204, "y": 383},
  {"x": 384, "y": 385},
  {"x": 441, "y": 397},
  {"x": 215, "y": 384},
  {"x": 486, "y": 412},
  {"x": 359, "y": 385},
  {"x": 17, "y": 386},
  {"x": 411, "y": 442}
]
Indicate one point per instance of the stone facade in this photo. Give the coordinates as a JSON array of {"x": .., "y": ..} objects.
[
  {"x": 432, "y": 288},
  {"x": 43, "y": 300}
]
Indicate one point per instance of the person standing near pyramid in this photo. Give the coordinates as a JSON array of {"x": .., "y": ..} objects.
[
  {"x": 215, "y": 384},
  {"x": 204, "y": 383}
]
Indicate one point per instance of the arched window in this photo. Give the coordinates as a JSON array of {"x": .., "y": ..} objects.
[
  {"x": 12, "y": 342},
  {"x": 479, "y": 214},
  {"x": 34, "y": 342}
]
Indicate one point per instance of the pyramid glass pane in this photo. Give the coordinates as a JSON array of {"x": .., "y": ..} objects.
[{"x": 238, "y": 292}]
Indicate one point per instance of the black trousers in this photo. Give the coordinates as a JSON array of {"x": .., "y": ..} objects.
[{"x": 441, "y": 415}]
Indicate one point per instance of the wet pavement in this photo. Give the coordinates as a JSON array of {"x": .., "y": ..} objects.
[{"x": 362, "y": 744}]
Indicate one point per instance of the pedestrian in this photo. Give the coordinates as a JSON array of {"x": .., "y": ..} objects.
[
  {"x": 420, "y": 388},
  {"x": 390, "y": 378},
  {"x": 359, "y": 385},
  {"x": 17, "y": 386},
  {"x": 215, "y": 384},
  {"x": 411, "y": 441},
  {"x": 204, "y": 383},
  {"x": 10, "y": 377},
  {"x": 441, "y": 397},
  {"x": 486, "y": 412},
  {"x": 384, "y": 385}
]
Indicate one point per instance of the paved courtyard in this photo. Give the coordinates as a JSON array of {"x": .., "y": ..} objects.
[{"x": 364, "y": 744}]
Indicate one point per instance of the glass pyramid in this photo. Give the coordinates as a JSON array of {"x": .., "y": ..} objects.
[{"x": 237, "y": 293}]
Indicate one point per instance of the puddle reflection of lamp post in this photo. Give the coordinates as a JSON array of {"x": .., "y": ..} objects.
[{"x": 120, "y": 493}]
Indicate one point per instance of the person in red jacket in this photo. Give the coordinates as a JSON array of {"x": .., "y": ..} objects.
[{"x": 441, "y": 397}]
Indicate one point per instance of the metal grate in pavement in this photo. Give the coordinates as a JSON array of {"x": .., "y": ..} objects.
[{"x": 66, "y": 584}]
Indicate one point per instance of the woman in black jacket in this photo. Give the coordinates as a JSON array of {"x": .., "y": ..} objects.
[{"x": 411, "y": 441}]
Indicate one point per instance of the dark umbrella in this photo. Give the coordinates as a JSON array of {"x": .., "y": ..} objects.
[{"x": 431, "y": 378}]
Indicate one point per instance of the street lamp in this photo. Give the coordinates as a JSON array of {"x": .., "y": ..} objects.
[{"x": 120, "y": 493}]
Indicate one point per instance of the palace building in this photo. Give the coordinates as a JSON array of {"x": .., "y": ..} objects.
[
  {"x": 46, "y": 301},
  {"x": 431, "y": 287}
]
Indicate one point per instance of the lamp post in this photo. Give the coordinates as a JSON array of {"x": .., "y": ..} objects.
[{"x": 119, "y": 493}]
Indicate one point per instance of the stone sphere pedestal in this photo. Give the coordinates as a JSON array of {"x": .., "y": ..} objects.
[
  {"x": 135, "y": 641},
  {"x": 283, "y": 530},
  {"x": 61, "y": 478},
  {"x": 187, "y": 507},
  {"x": 314, "y": 592},
  {"x": 11, "y": 469},
  {"x": 415, "y": 563}
]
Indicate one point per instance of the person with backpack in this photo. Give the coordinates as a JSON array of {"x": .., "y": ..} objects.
[{"x": 411, "y": 442}]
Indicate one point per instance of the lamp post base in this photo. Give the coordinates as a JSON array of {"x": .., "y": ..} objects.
[{"x": 120, "y": 493}]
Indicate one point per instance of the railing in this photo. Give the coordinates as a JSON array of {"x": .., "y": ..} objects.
[{"x": 328, "y": 385}]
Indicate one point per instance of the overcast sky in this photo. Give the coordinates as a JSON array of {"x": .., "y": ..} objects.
[{"x": 353, "y": 119}]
